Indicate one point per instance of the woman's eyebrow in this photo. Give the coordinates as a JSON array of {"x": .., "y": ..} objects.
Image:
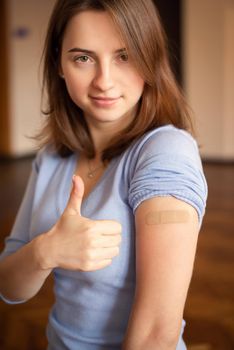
[{"x": 79, "y": 49}]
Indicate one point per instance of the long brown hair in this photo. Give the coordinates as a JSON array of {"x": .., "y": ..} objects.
[{"x": 162, "y": 101}]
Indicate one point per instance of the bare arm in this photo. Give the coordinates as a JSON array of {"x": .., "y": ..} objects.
[
  {"x": 21, "y": 275},
  {"x": 74, "y": 243},
  {"x": 166, "y": 239}
]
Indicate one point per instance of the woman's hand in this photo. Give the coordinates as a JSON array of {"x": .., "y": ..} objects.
[{"x": 76, "y": 242}]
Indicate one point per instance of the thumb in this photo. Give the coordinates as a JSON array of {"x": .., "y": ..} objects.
[{"x": 74, "y": 203}]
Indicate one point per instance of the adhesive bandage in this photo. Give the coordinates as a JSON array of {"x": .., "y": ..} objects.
[{"x": 167, "y": 217}]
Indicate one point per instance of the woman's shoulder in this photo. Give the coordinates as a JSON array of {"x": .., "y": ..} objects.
[
  {"x": 167, "y": 140},
  {"x": 47, "y": 157}
]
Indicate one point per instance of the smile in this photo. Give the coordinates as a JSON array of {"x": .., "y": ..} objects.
[{"x": 104, "y": 101}]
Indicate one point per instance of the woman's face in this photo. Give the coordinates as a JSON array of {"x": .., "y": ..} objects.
[{"x": 100, "y": 77}]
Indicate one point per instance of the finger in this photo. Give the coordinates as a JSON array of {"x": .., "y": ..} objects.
[
  {"x": 106, "y": 253},
  {"x": 97, "y": 265},
  {"x": 108, "y": 227},
  {"x": 76, "y": 196},
  {"x": 107, "y": 241}
]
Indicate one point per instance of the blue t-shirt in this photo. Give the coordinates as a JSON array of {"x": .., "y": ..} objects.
[{"x": 92, "y": 309}]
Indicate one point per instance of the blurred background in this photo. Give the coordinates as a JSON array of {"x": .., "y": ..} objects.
[{"x": 201, "y": 48}]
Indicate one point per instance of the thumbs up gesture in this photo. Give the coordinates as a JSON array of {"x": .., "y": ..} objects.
[{"x": 78, "y": 243}]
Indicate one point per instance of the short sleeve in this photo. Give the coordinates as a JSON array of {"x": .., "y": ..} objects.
[{"x": 168, "y": 164}]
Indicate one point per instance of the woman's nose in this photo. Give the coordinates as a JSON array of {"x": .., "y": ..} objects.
[{"x": 103, "y": 79}]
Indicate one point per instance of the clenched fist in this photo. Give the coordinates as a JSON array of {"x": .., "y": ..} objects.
[{"x": 78, "y": 243}]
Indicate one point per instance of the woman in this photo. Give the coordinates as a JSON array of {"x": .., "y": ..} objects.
[{"x": 120, "y": 243}]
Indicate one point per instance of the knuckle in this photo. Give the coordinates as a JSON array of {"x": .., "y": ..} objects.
[
  {"x": 85, "y": 243},
  {"x": 119, "y": 227},
  {"x": 116, "y": 251},
  {"x": 87, "y": 260},
  {"x": 89, "y": 255},
  {"x": 85, "y": 266},
  {"x": 89, "y": 241},
  {"x": 92, "y": 243},
  {"x": 86, "y": 256},
  {"x": 119, "y": 239},
  {"x": 89, "y": 226},
  {"x": 107, "y": 262}
]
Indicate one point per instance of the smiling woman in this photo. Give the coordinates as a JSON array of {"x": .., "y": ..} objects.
[
  {"x": 122, "y": 242},
  {"x": 140, "y": 33}
]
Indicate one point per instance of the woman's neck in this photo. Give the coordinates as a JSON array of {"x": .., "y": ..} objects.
[
  {"x": 103, "y": 132},
  {"x": 101, "y": 138}
]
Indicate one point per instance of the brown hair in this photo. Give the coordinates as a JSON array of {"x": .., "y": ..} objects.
[{"x": 161, "y": 103}]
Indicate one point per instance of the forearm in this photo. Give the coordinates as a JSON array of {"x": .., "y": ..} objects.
[
  {"x": 21, "y": 274},
  {"x": 146, "y": 331},
  {"x": 149, "y": 344},
  {"x": 153, "y": 341}
]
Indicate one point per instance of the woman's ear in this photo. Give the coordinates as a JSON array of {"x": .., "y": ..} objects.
[{"x": 60, "y": 71}]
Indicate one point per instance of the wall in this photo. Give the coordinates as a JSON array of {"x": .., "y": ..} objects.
[
  {"x": 4, "y": 120},
  {"x": 170, "y": 13},
  {"x": 26, "y": 25},
  {"x": 208, "y": 53}
]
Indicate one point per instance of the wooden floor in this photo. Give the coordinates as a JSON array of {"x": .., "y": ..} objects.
[{"x": 209, "y": 309}]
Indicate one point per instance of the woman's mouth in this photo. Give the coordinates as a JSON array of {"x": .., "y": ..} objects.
[{"x": 104, "y": 101}]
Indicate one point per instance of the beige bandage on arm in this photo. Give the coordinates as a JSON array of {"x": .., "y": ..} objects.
[{"x": 167, "y": 217}]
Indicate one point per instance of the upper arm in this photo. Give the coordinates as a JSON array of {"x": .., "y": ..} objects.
[{"x": 165, "y": 254}]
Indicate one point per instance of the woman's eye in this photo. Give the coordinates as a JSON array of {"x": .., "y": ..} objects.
[
  {"x": 82, "y": 59},
  {"x": 124, "y": 57}
]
